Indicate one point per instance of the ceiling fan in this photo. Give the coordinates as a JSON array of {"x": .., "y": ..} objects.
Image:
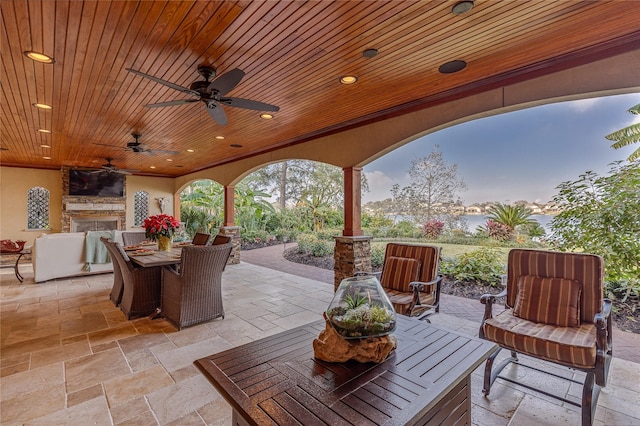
[
  {"x": 212, "y": 93},
  {"x": 111, "y": 168},
  {"x": 137, "y": 146}
]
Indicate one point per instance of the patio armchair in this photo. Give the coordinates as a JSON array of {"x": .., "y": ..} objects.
[
  {"x": 201, "y": 239},
  {"x": 555, "y": 311},
  {"x": 131, "y": 238},
  {"x": 410, "y": 278},
  {"x": 220, "y": 239},
  {"x": 141, "y": 286},
  {"x": 194, "y": 293}
]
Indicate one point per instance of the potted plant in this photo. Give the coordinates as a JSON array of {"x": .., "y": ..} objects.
[{"x": 161, "y": 228}]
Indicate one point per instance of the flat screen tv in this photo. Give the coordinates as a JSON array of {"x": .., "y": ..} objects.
[{"x": 96, "y": 183}]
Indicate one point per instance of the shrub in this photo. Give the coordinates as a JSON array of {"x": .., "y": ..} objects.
[
  {"x": 499, "y": 231},
  {"x": 432, "y": 229},
  {"x": 484, "y": 265},
  {"x": 377, "y": 256},
  {"x": 321, "y": 248}
]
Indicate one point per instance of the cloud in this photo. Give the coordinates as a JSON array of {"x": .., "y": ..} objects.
[
  {"x": 379, "y": 186},
  {"x": 583, "y": 105}
]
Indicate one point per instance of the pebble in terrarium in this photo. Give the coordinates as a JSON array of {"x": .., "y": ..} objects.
[{"x": 360, "y": 309}]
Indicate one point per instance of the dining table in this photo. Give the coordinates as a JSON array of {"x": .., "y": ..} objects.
[{"x": 156, "y": 257}]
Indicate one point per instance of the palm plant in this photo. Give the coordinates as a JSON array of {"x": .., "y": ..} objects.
[
  {"x": 628, "y": 135},
  {"x": 509, "y": 215}
]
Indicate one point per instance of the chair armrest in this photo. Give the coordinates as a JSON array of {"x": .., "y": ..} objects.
[
  {"x": 420, "y": 285},
  {"x": 487, "y": 300},
  {"x": 603, "y": 323}
]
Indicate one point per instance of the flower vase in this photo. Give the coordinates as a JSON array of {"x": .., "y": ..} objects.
[{"x": 164, "y": 243}]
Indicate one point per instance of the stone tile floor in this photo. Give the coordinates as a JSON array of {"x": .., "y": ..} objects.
[{"x": 68, "y": 356}]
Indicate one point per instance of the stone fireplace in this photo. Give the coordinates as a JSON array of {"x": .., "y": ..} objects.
[
  {"x": 94, "y": 223},
  {"x": 83, "y": 213}
]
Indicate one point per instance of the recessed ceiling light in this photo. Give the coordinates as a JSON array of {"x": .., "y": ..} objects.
[
  {"x": 39, "y": 57},
  {"x": 235, "y": 145},
  {"x": 462, "y": 7},
  {"x": 45, "y": 146},
  {"x": 44, "y": 131},
  {"x": 42, "y": 106},
  {"x": 370, "y": 53},
  {"x": 47, "y": 158},
  {"x": 191, "y": 150},
  {"x": 266, "y": 116},
  {"x": 169, "y": 159},
  {"x": 348, "y": 79},
  {"x": 219, "y": 137},
  {"x": 452, "y": 66},
  {"x": 152, "y": 167}
]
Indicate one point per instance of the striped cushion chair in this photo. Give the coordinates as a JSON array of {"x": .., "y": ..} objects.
[
  {"x": 410, "y": 278},
  {"x": 555, "y": 310}
]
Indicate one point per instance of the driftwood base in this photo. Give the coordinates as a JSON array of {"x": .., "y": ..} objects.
[{"x": 331, "y": 347}]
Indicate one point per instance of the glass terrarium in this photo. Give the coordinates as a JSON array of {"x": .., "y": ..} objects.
[{"x": 360, "y": 308}]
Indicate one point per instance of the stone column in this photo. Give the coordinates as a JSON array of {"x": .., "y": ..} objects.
[
  {"x": 351, "y": 255},
  {"x": 234, "y": 233}
]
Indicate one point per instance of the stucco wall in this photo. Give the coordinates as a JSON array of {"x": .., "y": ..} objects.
[{"x": 15, "y": 182}]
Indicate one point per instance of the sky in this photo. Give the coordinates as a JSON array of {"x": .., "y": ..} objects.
[{"x": 521, "y": 155}]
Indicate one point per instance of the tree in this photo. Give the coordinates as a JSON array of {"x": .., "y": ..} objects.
[
  {"x": 434, "y": 185},
  {"x": 628, "y": 135},
  {"x": 601, "y": 215}
]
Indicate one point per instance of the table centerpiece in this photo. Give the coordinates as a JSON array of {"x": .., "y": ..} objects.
[{"x": 161, "y": 228}]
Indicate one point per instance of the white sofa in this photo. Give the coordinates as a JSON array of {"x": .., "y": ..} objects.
[{"x": 63, "y": 255}]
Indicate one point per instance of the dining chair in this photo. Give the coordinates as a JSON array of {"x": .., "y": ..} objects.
[
  {"x": 131, "y": 238},
  {"x": 201, "y": 239},
  {"x": 141, "y": 285},
  {"x": 555, "y": 311},
  {"x": 410, "y": 278},
  {"x": 220, "y": 239},
  {"x": 193, "y": 294}
]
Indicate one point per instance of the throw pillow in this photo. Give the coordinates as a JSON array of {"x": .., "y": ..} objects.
[
  {"x": 398, "y": 272},
  {"x": 554, "y": 301}
]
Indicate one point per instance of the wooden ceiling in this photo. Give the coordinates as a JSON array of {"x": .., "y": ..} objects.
[{"x": 293, "y": 53}]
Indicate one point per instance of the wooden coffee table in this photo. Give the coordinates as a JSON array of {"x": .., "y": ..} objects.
[{"x": 277, "y": 380}]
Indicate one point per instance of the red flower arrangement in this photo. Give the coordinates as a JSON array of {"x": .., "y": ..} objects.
[{"x": 161, "y": 224}]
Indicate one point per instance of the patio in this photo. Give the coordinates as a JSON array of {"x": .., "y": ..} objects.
[{"x": 70, "y": 357}]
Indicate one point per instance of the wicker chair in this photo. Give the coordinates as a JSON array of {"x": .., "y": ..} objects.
[
  {"x": 555, "y": 311},
  {"x": 194, "y": 294},
  {"x": 221, "y": 239},
  {"x": 118, "y": 286},
  {"x": 141, "y": 286},
  {"x": 131, "y": 238},
  {"x": 410, "y": 278},
  {"x": 201, "y": 239}
]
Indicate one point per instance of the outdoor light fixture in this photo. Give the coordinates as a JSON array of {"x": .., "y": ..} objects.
[
  {"x": 462, "y": 7},
  {"x": 39, "y": 57},
  {"x": 152, "y": 167},
  {"x": 47, "y": 158},
  {"x": 266, "y": 116},
  {"x": 169, "y": 159},
  {"x": 191, "y": 150},
  {"x": 42, "y": 106},
  {"x": 44, "y": 131},
  {"x": 370, "y": 53},
  {"x": 452, "y": 66},
  {"x": 348, "y": 79},
  {"x": 45, "y": 146},
  {"x": 219, "y": 137}
]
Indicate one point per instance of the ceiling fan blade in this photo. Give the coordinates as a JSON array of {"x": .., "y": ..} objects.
[
  {"x": 217, "y": 113},
  {"x": 172, "y": 103},
  {"x": 226, "y": 82},
  {"x": 166, "y": 83},
  {"x": 163, "y": 151},
  {"x": 104, "y": 144},
  {"x": 249, "y": 104}
]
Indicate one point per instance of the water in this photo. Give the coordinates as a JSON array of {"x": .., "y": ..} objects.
[{"x": 475, "y": 220}]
